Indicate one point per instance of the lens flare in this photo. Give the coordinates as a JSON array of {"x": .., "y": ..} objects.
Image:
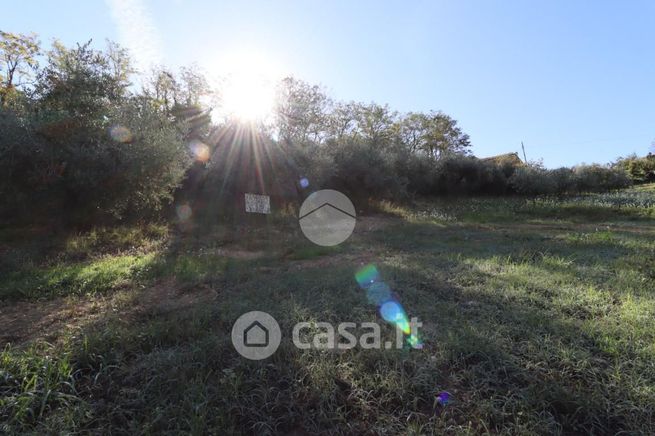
[
  {"x": 184, "y": 212},
  {"x": 200, "y": 150},
  {"x": 378, "y": 292},
  {"x": 394, "y": 313},
  {"x": 367, "y": 276},
  {"x": 414, "y": 342},
  {"x": 443, "y": 398},
  {"x": 304, "y": 183},
  {"x": 120, "y": 133}
]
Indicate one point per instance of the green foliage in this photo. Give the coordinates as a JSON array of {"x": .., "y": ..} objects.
[
  {"x": 633, "y": 199},
  {"x": 435, "y": 134},
  {"x": 640, "y": 170},
  {"x": 535, "y": 180},
  {"x": 18, "y": 59},
  {"x": 87, "y": 147},
  {"x": 151, "y": 165},
  {"x": 596, "y": 178},
  {"x": 532, "y": 180},
  {"x": 365, "y": 171},
  {"x": 459, "y": 174},
  {"x": 86, "y": 144},
  {"x": 81, "y": 83},
  {"x": 305, "y": 114},
  {"x": 300, "y": 111},
  {"x": 37, "y": 266},
  {"x": 85, "y": 170},
  {"x": 113, "y": 240}
]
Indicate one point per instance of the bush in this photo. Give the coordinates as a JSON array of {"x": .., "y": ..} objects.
[
  {"x": 82, "y": 144},
  {"x": 460, "y": 174},
  {"x": 125, "y": 164},
  {"x": 563, "y": 180},
  {"x": 533, "y": 180},
  {"x": 83, "y": 148},
  {"x": 419, "y": 172},
  {"x": 596, "y": 178},
  {"x": 362, "y": 170},
  {"x": 640, "y": 170},
  {"x": 19, "y": 151}
]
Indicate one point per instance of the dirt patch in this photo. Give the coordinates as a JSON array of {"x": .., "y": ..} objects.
[
  {"x": 237, "y": 253},
  {"x": 24, "y": 322},
  {"x": 167, "y": 296},
  {"x": 319, "y": 262},
  {"x": 357, "y": 260},
  {"x": 364, "y": 225}
]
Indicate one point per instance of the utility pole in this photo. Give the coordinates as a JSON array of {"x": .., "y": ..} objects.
[{"x": 525, "y": 159}]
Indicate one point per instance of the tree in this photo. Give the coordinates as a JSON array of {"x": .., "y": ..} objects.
[
  {"x": 301, "y": 111},
  {"x": 89, "y": 146},
  {"x": 444, "y": 136},
  {"x": 434, "y": 133},
  {"x": 81, "y": 81},
  {"x": 640, "y": 170},
  {"x": 193, "y": 86},
  {"x": 375, "y": 123},
  {"x": 179, "y": 97},
  {"x": 18, "y": 55},
  {"x": 412, "y": 131},
  {"x": 162, "y": 88},
  {"x": 341, "y": 121}
]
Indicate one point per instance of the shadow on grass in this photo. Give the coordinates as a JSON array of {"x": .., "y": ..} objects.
[{"x": 518, "y": 354}]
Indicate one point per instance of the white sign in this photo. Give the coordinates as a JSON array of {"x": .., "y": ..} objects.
[{"x": 256, "y": 203}]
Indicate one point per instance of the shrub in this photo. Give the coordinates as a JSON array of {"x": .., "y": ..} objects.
[
  {"x": 419, "y": 172},
  {"x": 563, "y": 180},
  {"x": 533, "y": 180},
  {"x": 126, "y": 163},
  {"x": 640, "y": 170},
  {"x": 363, "y": 170},
  {"x": 19, "y": 151},
  {"x": 460, "y": 174},
  {"x": 596, "y": 178},
  {"x": 84, "y": 148},
  {"x": 81, "y": 143}
]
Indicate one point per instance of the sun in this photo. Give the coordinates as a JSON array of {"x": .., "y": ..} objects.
[
  {"x": 248, "y": 88},
  {"x": 248, "y": 97}
]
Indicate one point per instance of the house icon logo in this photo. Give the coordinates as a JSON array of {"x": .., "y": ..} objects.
[
  {"x": 256, "y": 335},
  {"x": 327, "y": 217}
]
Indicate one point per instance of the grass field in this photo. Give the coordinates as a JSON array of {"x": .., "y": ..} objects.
[{"x": 538, "y": 318}]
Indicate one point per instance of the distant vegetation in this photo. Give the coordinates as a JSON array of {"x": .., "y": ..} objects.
[
  {"x": 86, "y": 139},
  {"x": 640, "y": 170}
]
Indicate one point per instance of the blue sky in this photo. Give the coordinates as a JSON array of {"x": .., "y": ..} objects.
[{"x": 574, "y": 80}]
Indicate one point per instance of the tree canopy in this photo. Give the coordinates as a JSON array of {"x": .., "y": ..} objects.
[{"x": 79, "y": 136}]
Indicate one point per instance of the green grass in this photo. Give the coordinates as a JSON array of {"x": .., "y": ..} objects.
[
  {"x": 102, "y": 275},
  {"x": 538, "y": 317}
]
